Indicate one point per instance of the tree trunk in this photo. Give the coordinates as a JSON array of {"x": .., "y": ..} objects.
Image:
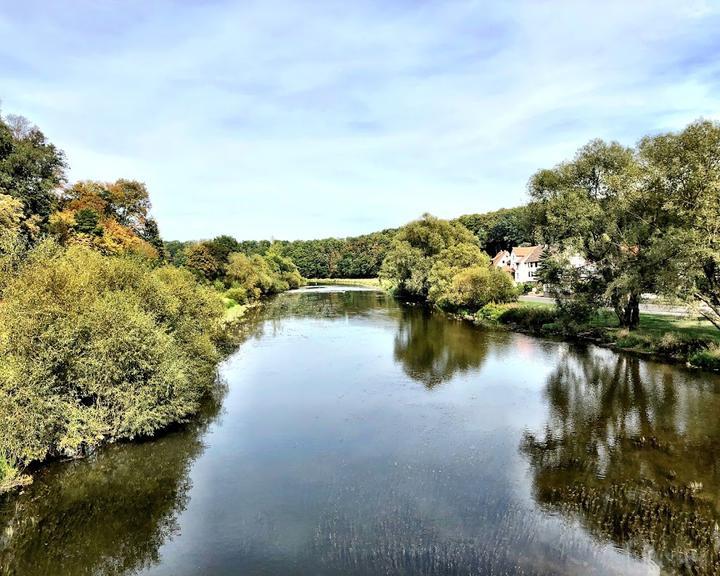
[{"x": 628, "y": 311}]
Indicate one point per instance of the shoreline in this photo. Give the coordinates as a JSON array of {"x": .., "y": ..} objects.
[
  {"x": 598, "y": 337},
  {"x": 679, "y": 348},
  {"x": 232, "y": 323}
]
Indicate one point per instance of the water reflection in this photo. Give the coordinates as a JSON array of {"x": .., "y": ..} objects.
[
  {"x": 328, "y": 303},
  {"x": 630, "y": 450},
  {"x": 106, "y": 515},
  {"x": 433, "y": 349},
  {"x": 331, "y": 459}
]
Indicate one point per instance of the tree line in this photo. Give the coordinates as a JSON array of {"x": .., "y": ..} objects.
[
  {"x": 645, "y": 219},
  {"x": 351, "y": 257}
]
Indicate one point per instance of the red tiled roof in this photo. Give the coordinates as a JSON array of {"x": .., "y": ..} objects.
[
  {"x": 499, "y": 256},
  {"x": 528, "y": 253}
]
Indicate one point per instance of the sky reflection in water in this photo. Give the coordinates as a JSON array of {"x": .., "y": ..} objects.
[{"x": 360, "y": 437}]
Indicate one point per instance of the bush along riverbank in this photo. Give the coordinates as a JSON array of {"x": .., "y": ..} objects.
[
  {"x": 663, "y": 337},
  {"x": 101, "y": 339},
  {"x": 97, "y": 349}
]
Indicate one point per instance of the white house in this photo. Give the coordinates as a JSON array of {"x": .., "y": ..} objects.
[
  {"x": 525, "y": 260},
  {"x": 522, "y": 263}
]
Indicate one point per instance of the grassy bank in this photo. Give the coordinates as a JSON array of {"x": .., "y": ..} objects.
[
  {"x": 366, "y": 282},
  {"x": 691, "y": 340},
  {"x": 235, "y": 312}
]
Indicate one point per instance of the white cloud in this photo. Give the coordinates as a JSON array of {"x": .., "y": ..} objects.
[{"x": 306, "y": 119}]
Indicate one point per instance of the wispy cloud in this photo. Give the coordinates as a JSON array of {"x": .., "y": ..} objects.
[{"x": 305, "y": 119}]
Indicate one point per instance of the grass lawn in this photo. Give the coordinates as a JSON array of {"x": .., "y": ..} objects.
[
  {"x": 651, "y": 325},
  {"x": 655, "y": 325},
  {"x": 527, "y": 304}
]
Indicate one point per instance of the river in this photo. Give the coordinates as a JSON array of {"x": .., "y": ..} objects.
[{"x": 352, "y": 435}]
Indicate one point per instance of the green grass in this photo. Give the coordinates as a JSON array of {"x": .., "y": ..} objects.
[
  {"x": 655, "y": 325},
  {"x": 367, "y": 282},
  {"x": 526, "y": 304}
]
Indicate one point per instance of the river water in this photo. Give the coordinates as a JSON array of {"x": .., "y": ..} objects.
[{"x": 352, "y": 435}]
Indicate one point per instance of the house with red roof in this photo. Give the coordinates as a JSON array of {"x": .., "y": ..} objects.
[{"x": 522, "y": 263}]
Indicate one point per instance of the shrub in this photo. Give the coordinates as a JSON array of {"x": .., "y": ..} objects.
[
  {"x": 262, "y": 275},
  {"x": 707, "y": 359},
  {"x": 491, "y": 312},
  {"x": 99, "y": 348},
  {"x": 679, "y": 345},
  {"x": 626, "y": 339},
  {"x": 7, "y": 472},
  {"x": 461, "y": 278},
  {"x": 239, "y": 295},
  {"x": 529, "y": 318}
]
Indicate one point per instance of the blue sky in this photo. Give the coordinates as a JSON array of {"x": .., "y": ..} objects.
[{"x": 292, "y": 119}]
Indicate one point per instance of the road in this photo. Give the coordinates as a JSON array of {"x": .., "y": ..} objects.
[{"x": 647, "y": 308}]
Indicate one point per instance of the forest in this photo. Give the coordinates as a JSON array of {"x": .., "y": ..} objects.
[{"x": 358, "y": 256}]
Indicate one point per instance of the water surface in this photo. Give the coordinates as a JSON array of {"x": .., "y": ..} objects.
[{"x": 356, "y": 436}]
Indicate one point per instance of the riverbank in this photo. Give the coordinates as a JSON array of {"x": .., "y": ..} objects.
[
  {"x": 365, "y": 282},
  {"x": 666, "y": 336},
  {"x": 235, "y": 326},
  {"x": 691, "y": 341}
]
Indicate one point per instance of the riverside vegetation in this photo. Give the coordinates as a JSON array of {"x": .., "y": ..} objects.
[
  {"x": 107, "y": 332},
  {"x": 101, "y": 338},
  {"x": 645, "y": 219}
]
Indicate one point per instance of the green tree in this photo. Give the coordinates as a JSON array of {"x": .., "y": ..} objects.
[
  {"x": 222, "y": 246},
  {"x": 199, "y": 258},
  {"x": 414, "y": 250},
  {"x": 253, "y": 274},
  {"x": 31, "y": 169},
  {"x": 175, "y": 250},
  {"x": 128, "y": 202},
  {"x": 461, "y": 278},
  {"x": 151, "y": 234},
  {"x": 86, "y": 222},
  {"x": 596, "y": 205},
  {"x": 682, "y": 181},
  {"x": 502, "y": 229}
]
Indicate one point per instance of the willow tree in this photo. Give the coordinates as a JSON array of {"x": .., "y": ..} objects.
[
  {"x": 597, "y": 205},
  {"x": 415, "y": 250},
  {"x": 682, "y": 173}
]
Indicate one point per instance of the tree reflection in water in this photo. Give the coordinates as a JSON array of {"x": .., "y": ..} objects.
[
  {"x": 432, "y": 348},
  {"x": 111, "y": 513},
  {"x": 630, "y": 450},
  {"x": 106, "y": 515}
]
